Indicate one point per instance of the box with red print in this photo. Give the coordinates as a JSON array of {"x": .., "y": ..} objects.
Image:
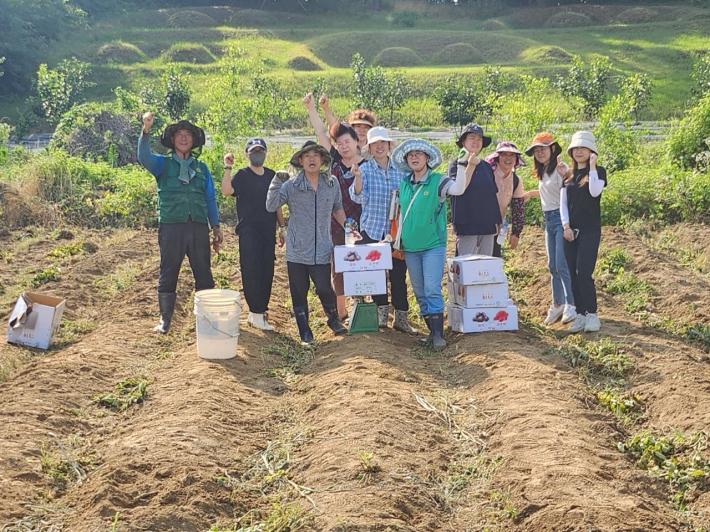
[
  {"x": 367, "y": 257},
  {"x": 476, "y": 269},
  {"x": 478, "y": 295},
  {"x": 471, "y": 320}
]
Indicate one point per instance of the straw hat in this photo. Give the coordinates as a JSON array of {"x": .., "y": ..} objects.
[
  {"x": 544, "y": 139},
  {"x": 399, "y": 157},
  {"x": 582, "y": 139},
  {"x": 308, "y": 146}
]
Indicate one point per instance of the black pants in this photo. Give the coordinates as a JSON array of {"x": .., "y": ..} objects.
[
  {"x": 398, "y": 281},
  {"x": 176, "y": 241},
  {"x": 256, "y": 260},
  {"x": 299, "y": 276},
  {"x": 581, "y": 256},
  {"x": 497, "y": 248}
]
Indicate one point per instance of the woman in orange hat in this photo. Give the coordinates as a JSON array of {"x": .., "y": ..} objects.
[{"x": 550, "y": 171}]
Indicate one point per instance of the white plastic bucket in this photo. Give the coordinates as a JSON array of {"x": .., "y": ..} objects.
[{"x": 217, "y": 315}]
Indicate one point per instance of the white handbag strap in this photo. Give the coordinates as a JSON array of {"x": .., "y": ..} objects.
[{"x": 398, "y": 239}]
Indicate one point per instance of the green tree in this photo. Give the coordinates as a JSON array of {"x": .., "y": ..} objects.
[
  {"x": 701, "y": 75},
  {"x": 58, "y": 89},
  {"x": 176, "y": 93},
  {"x": 588, "y": 84},
  {"x": 378, "y": 90}
]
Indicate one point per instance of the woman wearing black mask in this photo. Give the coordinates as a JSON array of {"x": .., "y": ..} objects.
[{"x": 256, "y": 228}]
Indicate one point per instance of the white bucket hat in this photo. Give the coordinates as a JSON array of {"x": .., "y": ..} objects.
[
  {"x": 399, "y": 157},
  {"x": 582, "y": 139},
  {"x": 377, "y": 134}
]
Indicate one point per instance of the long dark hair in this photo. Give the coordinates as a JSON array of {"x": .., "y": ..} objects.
[
  {"x": 540, "y": 169},
  {"x": 569, "y": 177}
]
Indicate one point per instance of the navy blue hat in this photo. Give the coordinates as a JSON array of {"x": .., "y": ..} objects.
[
  {"x": 253, "y": 143},
  {"x": 473, "y": 128}
]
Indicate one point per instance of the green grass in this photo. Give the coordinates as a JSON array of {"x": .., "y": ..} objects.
[{"x": 127, "y": 392}]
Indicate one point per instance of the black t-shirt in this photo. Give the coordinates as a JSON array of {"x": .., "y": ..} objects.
[
  {"x": 250, "y": 190},
  {"x": 584, "y": 210}
]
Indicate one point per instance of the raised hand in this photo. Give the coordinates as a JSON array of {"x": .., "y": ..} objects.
[
  {"x": 309, "y": 101},
  {"x": 229, "y": 159},
  {"x": 473, "y": 159},
  {"x": 561, "y": 166},
  {"x": 148, "y": 119},
  {"x": 593, "y": 161},
  {"x": 282, "y": 175},
  {"x": 355, "y": 169},
  {"x": 323, "y": 100}
]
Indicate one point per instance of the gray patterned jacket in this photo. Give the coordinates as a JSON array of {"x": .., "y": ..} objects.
[{"x": 308, "y": 238}]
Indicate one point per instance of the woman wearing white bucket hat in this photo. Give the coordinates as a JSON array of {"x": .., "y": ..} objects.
[
  {"x": 373, "y": 186},
  {"x": 580, "y": 211},
  {"x": 422, "y": 228}
]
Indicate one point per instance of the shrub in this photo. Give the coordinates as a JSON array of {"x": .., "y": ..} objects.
[
  {"x": 568, "y": 19},
  {"x": 692, "y": 136},
  {"x": 190, "y": 19},
  {"x": 398, "y": 56},
  {"x": 252, "y": 18},
  {"x": 701, "y": 75},
  {"x": 378, "y": 90},
  {"x": 548, "y": 55},
  {"x": 493, "y": 25},
  {"x": 458, "y": 54},
  {"x": 58, "y": 89},
  {"x": 90, "y": 130},
  {"x": 303, "y": 64},
  {"x": 405, "y": 19},
  {"x": 120, "y": 52},
  {"x": 588, "y": 84},
  {"x": 188, "y": 53},
  {"x": 637, "y": 15}
]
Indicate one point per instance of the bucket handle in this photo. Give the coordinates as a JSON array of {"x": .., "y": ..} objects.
[{"x": 215, "y": 328}]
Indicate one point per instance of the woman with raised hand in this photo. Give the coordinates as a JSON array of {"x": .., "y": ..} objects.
[
  {"x": 373, "y": 186},
  {"x": 342, "y": 143},
  {"x": 422, "y": 228},
  {"x": 580, "y": 211},
  {"x": 550, "y": 171},
  {"x": 362, "y": 120}
]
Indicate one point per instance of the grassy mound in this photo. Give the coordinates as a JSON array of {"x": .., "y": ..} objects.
[
  {"x": 184, "y": 52},
  {"x": 303, "y": 64},
  {"x": 190, "y": 19},
  {"x": 398, "y": 56},
  {"x": 119, "y": 52},
  {"x": 546, "y": 55},
  {"x": 252, "y": 18},
  {"x": 493, "y": 25},
  {"x": 337, "y": 49},
  {"x": 637, "y": 15},
  {"x": 568, "y": 19},
  {"x": 460, "y": 53}
]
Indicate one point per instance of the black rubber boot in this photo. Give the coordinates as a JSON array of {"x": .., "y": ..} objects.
[
  {"x": 437, "y": 329},
  {"x": 304, "y": 330},
  {"x": 427, "y": 339},
  {"x": 333, "y": 321},
  {"x": 166, "y": 302}
]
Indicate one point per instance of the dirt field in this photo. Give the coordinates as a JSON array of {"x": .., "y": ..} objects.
[{"x": 362, "y": 433}]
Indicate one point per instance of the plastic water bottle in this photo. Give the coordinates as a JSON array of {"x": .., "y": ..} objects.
[
  {"x": 502, "y": 234},
  {"x": 349, "y": 235}
]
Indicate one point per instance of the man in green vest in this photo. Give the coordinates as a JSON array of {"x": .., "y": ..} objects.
[{"x": 187, "y": 208}]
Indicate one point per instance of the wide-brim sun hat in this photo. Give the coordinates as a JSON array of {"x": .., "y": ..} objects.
[
  {"x": 506, "y": 147},
  {"x": 362, "y": 121},
  {"x": 399, "y": 157},
  {"x": 377, "y": 134},
  {"x": 309, "y": 146},
  {"x": 582, "y": 139},
  {"x": 543, "y": 139},
  {"x": 473, "y": 128},
  {"x": 198, "y": 134}
]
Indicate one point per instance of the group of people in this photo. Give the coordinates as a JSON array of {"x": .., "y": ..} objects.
[{"x": 352, "y": 172}]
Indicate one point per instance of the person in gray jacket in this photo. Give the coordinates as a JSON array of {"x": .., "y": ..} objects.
[{"x": 312, "y": 197}]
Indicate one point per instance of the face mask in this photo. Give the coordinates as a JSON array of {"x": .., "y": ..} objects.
[{"x": 257, "y": 158}]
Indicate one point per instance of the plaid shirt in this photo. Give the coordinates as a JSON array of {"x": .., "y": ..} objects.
[
  {"x": 377, "y": 186},
  {"x": 352, "y": 210}
]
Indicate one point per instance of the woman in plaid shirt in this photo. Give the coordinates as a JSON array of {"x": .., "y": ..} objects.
[{"x": 372, "y": 188}]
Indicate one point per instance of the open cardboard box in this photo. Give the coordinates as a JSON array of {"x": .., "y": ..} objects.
[{"x": 35, "y": 325}]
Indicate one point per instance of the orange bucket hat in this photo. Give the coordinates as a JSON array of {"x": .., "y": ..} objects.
[{"x": 543, "y": 138}]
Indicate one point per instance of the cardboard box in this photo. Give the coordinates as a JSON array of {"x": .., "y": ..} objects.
[
  {"x": 36, "y": 327},
  {"x": 478, "y": 295},
  {"x": 365, "y": 283},
  {"x": 476, "y": 269},
  {"x": 471, "y": 320},
  {"x": 367, "y": 257}
]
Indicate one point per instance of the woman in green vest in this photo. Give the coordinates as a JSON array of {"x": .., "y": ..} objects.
[{"x": 422, "y": 230}]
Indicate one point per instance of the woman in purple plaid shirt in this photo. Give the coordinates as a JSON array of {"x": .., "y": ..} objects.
[{"x": 372, "y": 188}]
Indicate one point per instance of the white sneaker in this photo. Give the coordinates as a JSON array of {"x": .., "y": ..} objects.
[
  {"x": 569, "y": 313},
  {"x": 593, "y": 324},
  {"x": 258, "y": 321},
  {"x": 578, "y": 324},
  {"x": 553, "y": 314}
]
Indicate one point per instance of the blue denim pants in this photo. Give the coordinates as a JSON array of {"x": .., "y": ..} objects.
[
  {"x": 426, "y": 268},
  {"x": 556, "y": 262}
]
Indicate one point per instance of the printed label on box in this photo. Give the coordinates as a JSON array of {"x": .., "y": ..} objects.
[
  {"x": 470, "y": 320},
  {"x": 476, "y": 269},
  {"x": 367, "y": 283},
  {"x": 365, "y": 257},
  {"x": 478, "y": 295}
]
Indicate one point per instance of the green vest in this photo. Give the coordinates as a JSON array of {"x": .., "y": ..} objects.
[
  {"x": 177, "y": 202},
  {"x": 425, "y": 225}
]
